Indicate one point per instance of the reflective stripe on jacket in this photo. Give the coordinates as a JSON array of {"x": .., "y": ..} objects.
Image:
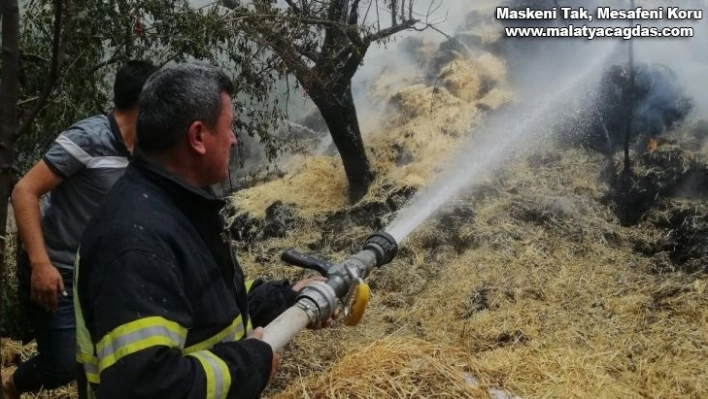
[{"x": 162, "y": 305}]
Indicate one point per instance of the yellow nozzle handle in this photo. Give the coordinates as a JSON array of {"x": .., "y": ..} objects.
[{"x": 357, "y": 305}]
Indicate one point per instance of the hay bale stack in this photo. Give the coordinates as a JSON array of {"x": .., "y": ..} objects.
[{"x": 316, "y": 184}]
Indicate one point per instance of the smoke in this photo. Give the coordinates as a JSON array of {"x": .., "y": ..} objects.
[
  {"x": 663, "y": 103},
  {"x": 687, "y": 57},
  {"x": 534, "y": 64},
  {"x": 392, "y": 65},
  {"x": 506, "y": 135},
  {"x": 669, "y": 85},
  {"x": 560, "y": 68}
]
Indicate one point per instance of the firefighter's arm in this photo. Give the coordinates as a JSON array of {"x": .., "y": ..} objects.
[
  {"x": 141, "y": 318},
  {"x": 267, "y": 300}
]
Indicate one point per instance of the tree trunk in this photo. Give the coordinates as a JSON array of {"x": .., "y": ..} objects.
[
  {"x": 62, "y": 18},
  {"x": 339, "y": 113},
  {"x": 8, "y": 117},
  {"x": 628, "y": 133}
]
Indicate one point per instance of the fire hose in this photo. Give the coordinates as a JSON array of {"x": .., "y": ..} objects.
[{"x": 344, "y": 287}]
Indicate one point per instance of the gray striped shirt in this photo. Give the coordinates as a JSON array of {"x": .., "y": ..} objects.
[{"x": 90, "y": 156}]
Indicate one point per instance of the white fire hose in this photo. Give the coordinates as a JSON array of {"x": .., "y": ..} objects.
[{"x": 345, "y": 286}]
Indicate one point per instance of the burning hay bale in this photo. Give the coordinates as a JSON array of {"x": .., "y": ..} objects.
[
  {"x": 495, "y": 99},
  {"x": 462, "y": 81},
  {"x": 660, "y": 104},
  {"x": 316, "y": 185},
  {"x": 665, "y": 172},
  {"x": 472, "y": 79},
  {"x": 700, "y": 131},
  {"x": 419, "y": 100},
  {"x": 419, "y": 50}
]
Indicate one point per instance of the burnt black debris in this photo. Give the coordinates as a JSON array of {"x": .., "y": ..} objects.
[{"x": 660, "y": 104}]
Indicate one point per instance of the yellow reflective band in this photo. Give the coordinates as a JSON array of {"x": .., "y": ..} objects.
[
  {"x": 136, "y": 336},
  {"x": 249, "y": 326},
  {"x": 83, "y": 338},
  {"x": 218, "y": 378},
  {"x": 90, "y": 364},
  {"x": 91, "y": 371},
  {"x": 85, "y": 350},
  {"x": 85, "y": 358},
  {"x": 233, "y": 332}
]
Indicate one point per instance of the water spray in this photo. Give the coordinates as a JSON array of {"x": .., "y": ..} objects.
[
  {"x": 345, "y": 288},
  {"x": 494, "y": 144}
]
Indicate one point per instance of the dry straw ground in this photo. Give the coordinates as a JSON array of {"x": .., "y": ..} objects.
[{"x": 526, "y": 282}]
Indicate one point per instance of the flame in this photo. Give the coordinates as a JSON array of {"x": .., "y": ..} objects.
[{"x": 652, "y": 144}]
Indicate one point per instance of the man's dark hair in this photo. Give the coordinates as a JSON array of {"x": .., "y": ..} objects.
[
  {"x": 129, "y": 82},
  {"x": 173, "y": 98}
]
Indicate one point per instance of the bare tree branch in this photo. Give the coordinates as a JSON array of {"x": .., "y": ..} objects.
[
  {"x": 294, "y": 7},
  {"x": 344, "y": 11},
  {"x": 334, "y": 14},
  {"x": 392, "y": 30},
  {"x": 352, "y": 64},
  {"x": 354, "y": 13},
  {"x": 343, "y": 53},
  {"x": 433, "y": 27},
  {"x": 104, "y": 64},
  {"x": 62, "y": 18},
  {"x": 307, "y": 53},
  {"x": 366, "y": 14},
  {"x": 305, "y": 7},
  {"x": 33, "y": 57},
  {"x": 289, "y": 54},
  {"x": 287, "y": 18}
]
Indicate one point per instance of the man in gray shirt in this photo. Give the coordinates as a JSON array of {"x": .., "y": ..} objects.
[{"x": 75, "y": 173}]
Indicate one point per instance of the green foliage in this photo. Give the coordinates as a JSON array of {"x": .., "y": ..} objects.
[{"x": 104, "y": 34}]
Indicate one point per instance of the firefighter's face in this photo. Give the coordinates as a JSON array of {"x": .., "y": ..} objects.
[{"x": 219, "y": 142}]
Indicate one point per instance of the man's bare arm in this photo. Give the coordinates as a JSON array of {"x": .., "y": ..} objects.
[{"x": 46, "y": 280}]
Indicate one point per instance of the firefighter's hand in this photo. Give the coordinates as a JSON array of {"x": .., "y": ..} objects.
[
  {"x": 297, "y": 287},
  {"x": 258, "y": 334},
  {"x": 46, "y": 284}
]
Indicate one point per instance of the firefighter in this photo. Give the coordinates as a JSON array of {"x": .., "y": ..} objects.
[{"x": 163, "y": 309}]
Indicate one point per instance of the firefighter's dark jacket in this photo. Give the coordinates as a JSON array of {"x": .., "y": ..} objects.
[{"x": 162, "y": 305}]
